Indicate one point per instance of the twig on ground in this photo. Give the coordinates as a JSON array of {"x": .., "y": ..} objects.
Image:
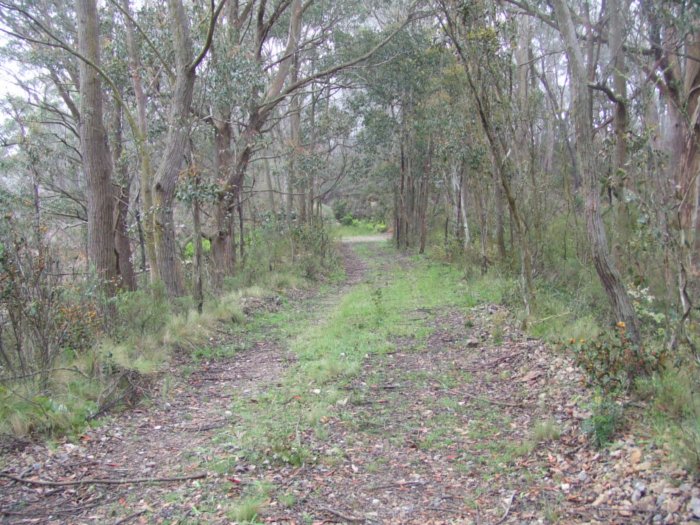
[
  {"x": 490, "y": 364},
  {"x": 505, "y": 514},
  {"x": 130, "y": 517},
  {"x": 399, "y": 485},
  {"x": 44, "y": 483},
  {"x": 47, "y": 512},
  {"x": 450, "y": 511},
  {"x": 342, "y": 516},
  {"x": 494, "y": 402},
  {"x": 211, "y": 426}
]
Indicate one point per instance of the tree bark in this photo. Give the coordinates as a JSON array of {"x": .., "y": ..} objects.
[
  {"x": 122, "y": 188},
  {"x": 145, "y": 166},
  {"x": 223, "y": 250},
  {"x": 167, "y": 252},
  {"x": 97, "y": 162},
  {"x": 585, "y": 159}
]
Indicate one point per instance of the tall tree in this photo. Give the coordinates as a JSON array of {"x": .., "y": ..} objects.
[
  {"x": 97, "y": 161},
  {"x": 176, "y": 144},
  {"x": 586, "y": 164}
]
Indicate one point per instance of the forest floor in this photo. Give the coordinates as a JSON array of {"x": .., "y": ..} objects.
[{"x": 382, "y": 400}]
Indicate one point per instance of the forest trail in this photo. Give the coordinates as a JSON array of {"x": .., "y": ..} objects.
[{"x": 457, "y": 418}]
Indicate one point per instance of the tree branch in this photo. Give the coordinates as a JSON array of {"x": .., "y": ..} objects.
[
  {"x": 42, "y": 483},
  {"x": 270, "y": 104},
  {"x": 215, "y": 12},
  {"x": 150, "y": 43}
]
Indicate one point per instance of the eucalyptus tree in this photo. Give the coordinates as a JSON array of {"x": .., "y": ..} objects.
[
  {"x": 586, "y": 164},
  {"x": 97, "y": 161},
  {"x": 475, "y": 33},
  {"x": 44, "y": 28},
  {"x": 669, "y": 59},
  {"x": 275, "y": 37},
  {"x": 177, "y": 141}
]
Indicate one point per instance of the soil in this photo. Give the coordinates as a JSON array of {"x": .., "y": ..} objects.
[{"x": 432, "y": 433}]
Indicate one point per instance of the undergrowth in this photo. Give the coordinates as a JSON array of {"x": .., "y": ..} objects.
[
  {"x": 96, "y": 366},
  {"x": 571, "y": 312}
]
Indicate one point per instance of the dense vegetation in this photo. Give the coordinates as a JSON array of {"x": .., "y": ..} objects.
[{"x": 163, "y": 160}]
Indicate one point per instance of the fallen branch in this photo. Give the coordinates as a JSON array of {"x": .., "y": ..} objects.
[
  {"x": 399, "y": 485},
  {"x": 130, "y": 517},
  {"x": 505, "y": 514},
  {"x": 44, "y": 483},
  {"x": 52, "y": 512},
  {"x": 342, "y": 516},
  {"x": 494, "y": 402}
]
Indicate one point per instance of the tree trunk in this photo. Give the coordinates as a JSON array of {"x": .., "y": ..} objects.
[
  {"x": 585, "y": 159},
  {"x": 145, "y": 166},
  {"x": 223, "y": 251},
  {"x": 167, "y": 252},
  {"x": 198, "y": 288},
  {"x": 97, "y": 162},
  {"x": 622, "y": 217},
  {"x": 122, "y": 243}
]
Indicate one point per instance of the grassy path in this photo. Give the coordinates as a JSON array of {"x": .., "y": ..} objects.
[{"x": 402, "y": 396}]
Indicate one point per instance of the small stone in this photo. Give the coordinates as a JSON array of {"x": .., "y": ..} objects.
[
  {"x": 672, "y": 505},
  {"x": 694, "y": 507},
  {"x": 635, "y": 456},
  {"x": 582, "y": 476},
  {"x": 472, "y": 343},
  {"x": 565, "y": 487},
  {"x": 646, "y": 504},
  {"x": 602, "y": 498},
  {"x": 670, "y": 520},
  {"x": 639, "y": 490}
]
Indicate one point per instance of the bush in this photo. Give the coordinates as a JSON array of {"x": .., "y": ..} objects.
[
  {"x": 612, "y": 362},
  {"x": 141, "y": 312},
  {"x": 314, "y": 249},
  {"x": 348, "y": 220},
  {"x": 604, "y": 423},
  {"x": 340, "y": 209}
]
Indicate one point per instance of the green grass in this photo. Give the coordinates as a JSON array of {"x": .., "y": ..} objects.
[
  {"x": 675, "y": 415},
  {"x": 331, "y": 351},
  {"x": 357, "y": 228}
]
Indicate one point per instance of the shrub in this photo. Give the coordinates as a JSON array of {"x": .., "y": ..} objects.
[
  {"x": 604, "y": 422},
  {"x": 612, "y": 361},
  {"x": 347, "y": 220},
  {"x": 340, "y": 209}
]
